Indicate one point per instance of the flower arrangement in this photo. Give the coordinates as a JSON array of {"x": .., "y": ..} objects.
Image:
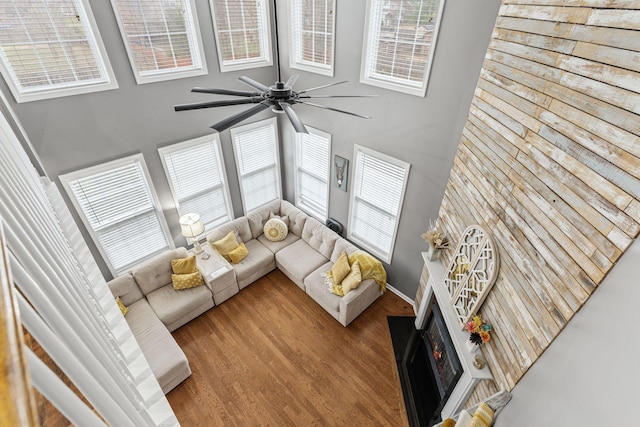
[
  {"x": 479, "y": 330},
  {"x": 435, "y": 238}
]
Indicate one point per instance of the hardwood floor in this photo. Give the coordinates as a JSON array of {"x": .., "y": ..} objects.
[{"x": 271, "y": 356}]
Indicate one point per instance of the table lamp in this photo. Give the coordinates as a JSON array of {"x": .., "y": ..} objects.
[{"x": 191, "y": 226}]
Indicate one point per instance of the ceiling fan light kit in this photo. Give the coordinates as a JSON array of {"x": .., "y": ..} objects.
[{"x": 280, "y": 97}]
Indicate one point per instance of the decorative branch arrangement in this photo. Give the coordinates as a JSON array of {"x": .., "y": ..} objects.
[{"x": 435, "y": 238}]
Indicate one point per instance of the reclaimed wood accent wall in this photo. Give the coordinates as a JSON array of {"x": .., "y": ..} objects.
[{"x": 549, "y": 160}]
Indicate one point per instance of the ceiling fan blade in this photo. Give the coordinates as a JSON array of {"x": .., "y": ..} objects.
[
  {"x": 339, "y": 96},
  {"x": 237, "y": 118},
  {"x": 293, "y": 117},
  {"x": 223, "y": 103},
  {"x": 292, "y": 80},
  {"x": 224, "y": 91},
  {"x": 333, "y": 109},
  {"x": 322, "y": 87},
  {"x": 254, "y": 84}
]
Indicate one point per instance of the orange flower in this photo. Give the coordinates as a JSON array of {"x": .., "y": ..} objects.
[{"x": 485, "y": 336}]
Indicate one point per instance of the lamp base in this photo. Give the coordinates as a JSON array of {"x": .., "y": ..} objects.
[{"x": 197, "y": 249}]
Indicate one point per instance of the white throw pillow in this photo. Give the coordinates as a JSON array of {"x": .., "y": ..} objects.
[
  {"x": 464, "y": 419},
  {"x": 275, "y": 230}
]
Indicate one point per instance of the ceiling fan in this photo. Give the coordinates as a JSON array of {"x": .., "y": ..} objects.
[{"x": 280, "y": 97}]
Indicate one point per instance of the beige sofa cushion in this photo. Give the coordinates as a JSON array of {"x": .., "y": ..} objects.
[
  {"x": 276, "y": 246},
  {"x": 239, "y": 225},
  {"x": 259, "y": 258},
  {"x": 299, "y": 259},
  {"x": 259, "y": 217},
  {"x": 166, "y": 359},
  {"x": 316, "y": 288},
  {"x": 156, "y": 273},
  {"x": 175, "y": 308},
  {"x": 297, "y": 218},
  {"x": 126, "y": 288},
  {"x": 319, "y": 237},
  {"x": 342, "y": 245}
]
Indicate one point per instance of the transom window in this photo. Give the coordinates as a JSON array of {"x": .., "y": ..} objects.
[
  {"x": 197, "y": 177},
  {"x": 400, "y": 37},
  {"x": 312, "y": 35},
  {"x": 162, "y": 38},
  {"x": 120, "y": 210},
  {"x": 312, "y": 172},
  {"x": 377, "y": 193},
  {"x": 51, "y": 48},
  {"x": 242, "y": 33},
  {"x": 256, "y": 150}
]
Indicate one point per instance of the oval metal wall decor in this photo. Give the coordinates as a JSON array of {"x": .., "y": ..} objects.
[{"x": 472, "y": 271}]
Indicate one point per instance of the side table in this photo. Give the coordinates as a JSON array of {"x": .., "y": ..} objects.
[{"x": 218, "y": 274}]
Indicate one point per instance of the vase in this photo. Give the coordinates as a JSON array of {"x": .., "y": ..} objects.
[
  {"x": 433, "y": 254},
  {"x": 473, "y": 348}
]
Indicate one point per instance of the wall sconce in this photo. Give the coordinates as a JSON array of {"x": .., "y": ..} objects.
[{"x": 341, "y": 172}]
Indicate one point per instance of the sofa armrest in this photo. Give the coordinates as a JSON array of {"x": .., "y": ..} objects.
[{"x": 357, "y": 301}]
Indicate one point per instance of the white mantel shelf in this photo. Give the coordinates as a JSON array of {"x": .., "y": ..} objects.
[{"x": 471, "y": 375}]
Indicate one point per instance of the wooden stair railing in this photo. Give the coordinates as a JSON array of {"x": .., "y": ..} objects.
[{"x": 17, "y": 402}]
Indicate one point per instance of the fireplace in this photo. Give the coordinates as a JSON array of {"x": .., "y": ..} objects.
[
  {"x": 436, "y": 369},
  {"x": 428, "y": 366}
]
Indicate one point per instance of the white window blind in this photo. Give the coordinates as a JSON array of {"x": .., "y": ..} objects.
[
  {"x": 377, "y": 193},
  {"x": 312, "y": 35},
  {"x": 162, "y": 38},
  {"x": 400, "y": 37},
  {"x": 120, "y": 210},
  {"x": 242, "y": 33},
  {"x": 51, "y": 48},
  {"x": 256, "y": 149},
  {"x": 312, "y": 172},
  {"x": 197, "y": 177}
]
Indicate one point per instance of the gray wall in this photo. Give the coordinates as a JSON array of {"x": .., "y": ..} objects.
[{"x": 78, "y": 131}]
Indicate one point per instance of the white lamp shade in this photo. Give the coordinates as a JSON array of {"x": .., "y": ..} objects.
[{"x": 191, "y": 225}]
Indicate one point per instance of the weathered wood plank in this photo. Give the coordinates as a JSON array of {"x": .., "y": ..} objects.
[
  {"x": 573, "y": 15},
  {"x": 617, "y": 57},
  {"x": 554, "y": 145},
  {"x": 522, "y": 104},
  {"x": 510, "y": 110},
  {"x": 600, "y": 35},
  {"x": 622, "y": 98},
  {"x": 535, "y": 97},
  {"x": 615, "y": 18},
  {"x": 554, "y": 44}
]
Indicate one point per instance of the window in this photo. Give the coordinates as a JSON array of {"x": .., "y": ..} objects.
[
  {"x": 400, "y": 37},
  {"x": 376, "y": 198},
  {"x": 256, "y": 148},
  {"x": 51, "y": 48},
  {"x": 242, "y": 33},
  {"x": 197, "y": 177},
  {"x": 312, "y": 172},
  {"x": 311, "y": 41},
  {"x": 162, "y": 38},
  {"x": 120, "y": 210}
]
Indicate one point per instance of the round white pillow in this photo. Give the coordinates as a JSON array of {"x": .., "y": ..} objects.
[{"x": 275, "y": 230}]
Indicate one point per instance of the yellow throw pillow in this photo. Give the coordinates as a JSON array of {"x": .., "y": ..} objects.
[
  {"x": 353, "y": 279},
  {"x": 341, "y": 268},
  {"x": 123, "y": 308},
  {"x": 448, "y": 423},
  {"x": 483, "y": 417},
  {"x": 187, "y": 281},
  {"x": 184, "y": 265},
  {"x": 239, "y": 253},
  {"x": 226, "y": 245}
]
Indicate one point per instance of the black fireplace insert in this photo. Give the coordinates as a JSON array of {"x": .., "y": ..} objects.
[{"x": 428, "y": 365}]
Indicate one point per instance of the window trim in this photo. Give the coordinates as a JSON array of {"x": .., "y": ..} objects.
[
  {"x": 312, "y": 67},
  {"x": 214, "y": 139},
  {"x": 376, "y": 251},
  {"x": 267, "y": 58},
  {"x": 58, "y": 91},
  {"x": 298, "y": 204},
  {"x": 273, "y": 121},
  {"x": 66, "y": 180},
  {"x": 391, "y": 83},
  {"x": 174, "y": 73}
]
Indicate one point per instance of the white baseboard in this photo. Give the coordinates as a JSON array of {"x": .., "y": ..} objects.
[{"x": 401, "y": 295}]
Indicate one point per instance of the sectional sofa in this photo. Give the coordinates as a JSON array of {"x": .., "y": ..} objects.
[{"x": 309, "y": 250}]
